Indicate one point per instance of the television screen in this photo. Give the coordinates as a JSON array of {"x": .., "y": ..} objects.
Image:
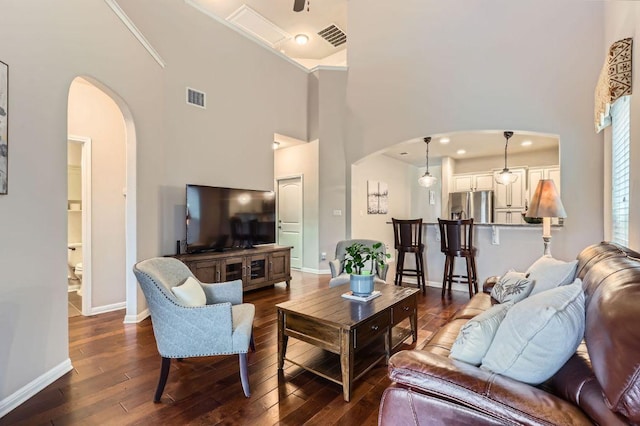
[{"x": 227, "y": 218}]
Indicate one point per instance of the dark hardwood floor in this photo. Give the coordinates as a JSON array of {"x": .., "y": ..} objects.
[{"x": 116, "y": 369}]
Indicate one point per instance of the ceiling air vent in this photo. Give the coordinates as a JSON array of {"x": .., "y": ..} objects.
[
  {"x": 333, "y": 35},
  {"x": 196, "y": 98}
]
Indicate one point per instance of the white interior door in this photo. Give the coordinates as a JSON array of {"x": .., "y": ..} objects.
[{"x": 290, "y": 228}]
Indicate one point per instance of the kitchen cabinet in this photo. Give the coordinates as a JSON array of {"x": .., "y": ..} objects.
[
  {"x": 508, "y": 216},
  {"x": 538, "y": 173},
  {"x": 472, "y": 182},
  {"x": 511, "y": 196}
]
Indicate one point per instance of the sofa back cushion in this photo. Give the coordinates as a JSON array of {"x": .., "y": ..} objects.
[{"x": 612, "y": 332}]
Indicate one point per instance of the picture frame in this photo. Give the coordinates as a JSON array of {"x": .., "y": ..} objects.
[{"x": 4, "y": 127}]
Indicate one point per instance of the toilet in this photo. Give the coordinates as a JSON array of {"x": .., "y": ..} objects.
[{"x": 74, "y": 264}]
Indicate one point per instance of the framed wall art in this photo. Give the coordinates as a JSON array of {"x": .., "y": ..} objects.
[
  {"x": 377, "y": 197},
  {"x": 4, "y": 126}
]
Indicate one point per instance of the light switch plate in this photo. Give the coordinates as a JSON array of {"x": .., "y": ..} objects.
[
  {"x": 432, "y": 197},
  {"x": 495, "y": 236}
]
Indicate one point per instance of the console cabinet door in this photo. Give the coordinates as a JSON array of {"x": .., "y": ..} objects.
[
  {"x": 279, "y": 265},
  {"x": 257, "y": 270},
  {"x": 232, "y": 268},
  {"x": 207, "y": 271}
]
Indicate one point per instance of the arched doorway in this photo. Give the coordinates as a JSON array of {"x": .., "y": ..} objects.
[{"x": 96, "y": 112}]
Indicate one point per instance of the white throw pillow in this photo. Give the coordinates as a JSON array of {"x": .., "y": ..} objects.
[
  {"x": 549, "y": 273},
  {"x": 190, "y": 293},
  {"x": 476, "y": 335},
  {"x": 538, "y": 335},
  {"x": 512, "y": 286}
]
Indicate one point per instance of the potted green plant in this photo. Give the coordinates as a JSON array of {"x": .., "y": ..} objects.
[{"x": 356, "y": 260}]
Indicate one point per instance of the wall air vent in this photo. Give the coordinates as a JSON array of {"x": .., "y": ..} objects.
[
  {"x": 196, "y": 98},
  {"x": 333, "y": 35}
]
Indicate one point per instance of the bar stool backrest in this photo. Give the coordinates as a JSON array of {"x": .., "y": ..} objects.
[
  {"x": 407, "y": 233},
  {"x": 456, "y": 237}
]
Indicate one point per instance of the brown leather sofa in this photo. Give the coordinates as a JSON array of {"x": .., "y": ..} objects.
[{"x": 600, "y": 384}]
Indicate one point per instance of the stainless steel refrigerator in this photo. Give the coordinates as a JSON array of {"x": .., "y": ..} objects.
[{"x": 471, "y": 204}]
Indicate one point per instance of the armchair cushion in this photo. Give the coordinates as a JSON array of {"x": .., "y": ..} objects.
[{"x": 190, "y": 293}]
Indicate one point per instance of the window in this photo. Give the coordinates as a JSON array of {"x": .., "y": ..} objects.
[{"x": 620, "y": 171}]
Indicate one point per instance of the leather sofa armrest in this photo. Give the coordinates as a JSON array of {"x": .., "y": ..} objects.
[
  {"x": 480, "y": 390},
  {"x": 489, "y": 283}
]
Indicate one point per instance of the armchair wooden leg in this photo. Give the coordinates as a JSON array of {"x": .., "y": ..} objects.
[
  {"x": 244, "y": 375},
  {"x": 164, "y": 374},
  {"x": 252, "y": 343}
]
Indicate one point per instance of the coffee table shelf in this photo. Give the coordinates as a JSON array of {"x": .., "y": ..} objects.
[{"x": 327, "y": 364}]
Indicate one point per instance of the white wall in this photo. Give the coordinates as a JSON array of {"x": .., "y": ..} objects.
[
  {"x": 303, "y": 160},
  {"x": 95, "y": 115},
  {"x": 397, "y": 175},
  {"x": 622, "y": 20},
  {"x": 332, "y": 213},
  {"x": 420, "y": 205},
  {"x": 251, "y": 94},
  {"x": 429, "y": 67}
]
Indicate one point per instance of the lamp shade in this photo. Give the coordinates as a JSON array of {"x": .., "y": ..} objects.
[
  {"x": 426, "y": 180},
  {"x": 546, "y": 201}
]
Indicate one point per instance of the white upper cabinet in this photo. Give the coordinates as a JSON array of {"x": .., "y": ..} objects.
[
  {"x": 472, "y": 182},
  {"x": 512, "y": 195}
]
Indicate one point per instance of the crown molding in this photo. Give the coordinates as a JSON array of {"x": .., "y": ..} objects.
[{"x": 135, "y": 31}]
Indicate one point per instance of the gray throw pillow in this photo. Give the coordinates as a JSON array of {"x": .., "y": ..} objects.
[
  {"x": 476, "y": 335},
  {"x": 549, "y": 273},
  {"x": 538, "y": 335},
  {"x": 512, "y": 287}
]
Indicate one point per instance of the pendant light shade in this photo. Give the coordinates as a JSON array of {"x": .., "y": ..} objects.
[
  {"x": 427, "y": 180},
  {"x": 506, "y": 177}
]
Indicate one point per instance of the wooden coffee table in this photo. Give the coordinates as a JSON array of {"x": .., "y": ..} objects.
[{"x": 342, "y": 339}]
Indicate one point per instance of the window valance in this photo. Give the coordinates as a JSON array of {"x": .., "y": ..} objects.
[{"x": 614, "y": 81}]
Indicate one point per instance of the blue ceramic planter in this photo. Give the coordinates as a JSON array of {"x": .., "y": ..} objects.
[{"x": 362, "y": 285}]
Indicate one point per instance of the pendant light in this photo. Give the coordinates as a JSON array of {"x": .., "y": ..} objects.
[
  {"x": 427, "y": 180},
  {"x": 506, "y": 177}
]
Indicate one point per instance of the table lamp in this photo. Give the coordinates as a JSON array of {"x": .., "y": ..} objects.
[{"x": 546, "y": 203}]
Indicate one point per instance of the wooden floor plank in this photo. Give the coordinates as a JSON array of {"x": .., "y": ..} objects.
[{"x": 116, "y": 369}]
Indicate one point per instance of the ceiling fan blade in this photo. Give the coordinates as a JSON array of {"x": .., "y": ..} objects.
[{"x": 298, "y": 5}]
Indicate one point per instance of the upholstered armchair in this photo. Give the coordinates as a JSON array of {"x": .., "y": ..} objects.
[
  {"x": 221, "y": 327},
  {"x": 338, "y": 274}
]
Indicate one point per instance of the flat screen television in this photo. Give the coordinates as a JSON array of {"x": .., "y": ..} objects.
[{"x": 221, "y": 219}]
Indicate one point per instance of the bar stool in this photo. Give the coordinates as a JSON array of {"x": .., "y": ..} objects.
[
  {"x": 408, "y": 239},
  {"x": 456, "y": 240}
]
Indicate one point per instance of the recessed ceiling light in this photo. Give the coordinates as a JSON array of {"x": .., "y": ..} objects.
[
  {"x": 301, "y": 39},
  {"x": 444, "y": 140},
  {"x": 461, "y": 151},
  {"x": 404, "y": 153},
  {"x": 526, "y": 143}
]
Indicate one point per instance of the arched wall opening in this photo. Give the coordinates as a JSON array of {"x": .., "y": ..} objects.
[
  {"x": 393, "y": 174},
  {"x": 97, "y": 112}
]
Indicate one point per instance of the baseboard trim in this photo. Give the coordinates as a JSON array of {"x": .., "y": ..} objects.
[
  {"x": 437, "y": 284},
  {"x": 108, "y": 308},
  {"x": 134, "y": 319},
  {"x": 30, "y": 389},
  {"x": 316, "y": 271}
]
